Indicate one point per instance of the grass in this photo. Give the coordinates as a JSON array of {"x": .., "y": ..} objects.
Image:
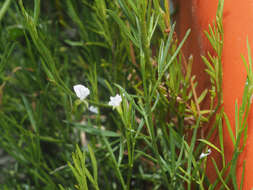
[{"x": 150, "y": 141}]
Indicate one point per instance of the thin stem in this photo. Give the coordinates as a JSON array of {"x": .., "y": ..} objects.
[
  {"x": 150, "y": 126},
  {"x": 36, "y": 11},
  {"x": 4, "y": 8}
]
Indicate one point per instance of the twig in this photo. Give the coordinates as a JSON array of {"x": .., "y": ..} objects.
[{"x": 195, "y": 97}]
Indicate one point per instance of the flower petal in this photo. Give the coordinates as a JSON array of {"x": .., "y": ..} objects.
[
  {"x": 203, "y": 155},
  {"x": 115, "y": 101},
  {"x": 93, "y": 109},
  {"x": 81, "y": 91}
]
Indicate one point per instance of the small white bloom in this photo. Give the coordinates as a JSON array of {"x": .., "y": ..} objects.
[
  {"x": 93, "y": 109},
  {"x": 81, "y": 91},
  {"x": 203, "y": 155},
  {"x": 115, "y": 101}
]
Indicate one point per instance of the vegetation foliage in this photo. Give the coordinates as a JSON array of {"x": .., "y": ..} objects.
[{"x": 53, "y": 141}]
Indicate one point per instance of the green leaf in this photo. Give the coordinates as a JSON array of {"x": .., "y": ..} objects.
[
  {"x": 90, "y": 129},
  {"x": 94, "y": 164},
  {"x": 210, "y": 144},
  {"x": 30, "y": 114}
]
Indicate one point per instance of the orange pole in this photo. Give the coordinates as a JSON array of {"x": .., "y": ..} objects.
[{"x": 238, "y": 25}]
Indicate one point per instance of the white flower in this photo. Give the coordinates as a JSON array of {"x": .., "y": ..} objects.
[
  {"x": 93, "y": 109},
  {"x": 203, "y": 155},
  {"x": 81, "y": 91},
  {"x": 115, "y": 101}
]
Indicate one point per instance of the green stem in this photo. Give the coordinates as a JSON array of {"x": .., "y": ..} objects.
[
  {"x": 36, "y": 11},
  {"x": 150, "y": 127},
  {"x": 145, "y": 59},
  {"x": 130, "y": 162},
  {"x": 4, "y": 8},
  {"x": 129, "y": 176},
  {"x": 118, "y": 172}
]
